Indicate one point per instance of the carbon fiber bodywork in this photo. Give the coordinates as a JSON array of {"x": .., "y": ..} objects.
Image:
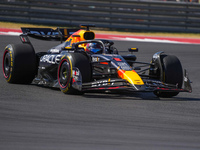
[{"x": 107, "y": 70}]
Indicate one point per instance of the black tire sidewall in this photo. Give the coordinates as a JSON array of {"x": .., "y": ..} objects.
[
  {"x": 172, "y": 74},
  {"x": 81, "y": 62},
  {"x": 23, "y": 63}
]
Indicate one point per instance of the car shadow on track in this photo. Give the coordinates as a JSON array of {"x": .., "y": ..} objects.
[
  {"x": 136, "y": 96},
  {"x": 122, "y": 95},
  {"x": 126, "y": 95},
  {"x": 186, "y": 99}
]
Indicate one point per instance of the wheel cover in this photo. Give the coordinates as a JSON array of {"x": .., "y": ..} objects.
[{"x": 64, "y": 73}]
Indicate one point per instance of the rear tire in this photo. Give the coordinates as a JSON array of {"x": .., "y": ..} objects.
[
  {"x": 19, "y": 63},
  {"x": 65, "y": 67},
  {"x": 172, "y": 74}
]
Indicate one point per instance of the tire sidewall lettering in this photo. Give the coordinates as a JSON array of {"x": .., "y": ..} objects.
[{"x": 8, "y": 50}]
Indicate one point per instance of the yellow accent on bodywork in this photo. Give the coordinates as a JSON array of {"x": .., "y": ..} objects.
[
  {"x": 133, "y": 78},
  {"x": 109, "y": 81},
  {"x": 70, "y": 64}
]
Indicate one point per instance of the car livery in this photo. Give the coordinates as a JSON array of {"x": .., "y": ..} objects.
[{"x": 71, "y": 68}]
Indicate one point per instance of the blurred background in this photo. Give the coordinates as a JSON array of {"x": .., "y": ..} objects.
[{"x": 126, "y": 15}]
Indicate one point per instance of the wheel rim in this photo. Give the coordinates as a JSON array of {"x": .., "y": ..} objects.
[
  {"x": 6, "y": 64},
  {"x": 64, "y": 73}
]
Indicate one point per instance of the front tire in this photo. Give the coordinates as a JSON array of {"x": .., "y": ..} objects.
[
  {"x": 65, "y": 70},
  {"x": 172, "y": 74},
  {"x": 19, "y": 63}
]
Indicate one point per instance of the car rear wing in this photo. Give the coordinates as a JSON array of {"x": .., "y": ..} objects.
[{"x": 58, "y": 34}]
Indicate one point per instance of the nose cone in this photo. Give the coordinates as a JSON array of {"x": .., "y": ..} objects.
[{"x": 131, "y": 76}]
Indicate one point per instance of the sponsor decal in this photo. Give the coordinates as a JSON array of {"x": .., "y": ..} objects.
[
  {"x": 52, "y": 59},
  {"x": 102, "y": 83},
  {"x": 76, "y": 79},
  {"x": 76, "y": 74},
  {"x": 124, "y": 66},
  {"x": 50, "y": 33},
  {"x": 54, "y": 50},
  {"x": 95, "y": 59}
]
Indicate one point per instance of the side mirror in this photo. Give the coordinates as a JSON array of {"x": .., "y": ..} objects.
[{"x": 133, "y": 50}]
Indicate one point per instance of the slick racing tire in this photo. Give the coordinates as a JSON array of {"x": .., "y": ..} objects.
[
  {"x": 172, "y": 74},
  {"x": 19, "y": 63},
  {"x": 65, "y": 67}
]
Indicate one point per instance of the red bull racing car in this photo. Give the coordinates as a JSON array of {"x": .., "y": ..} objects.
[{"x": 82, "y": 63}]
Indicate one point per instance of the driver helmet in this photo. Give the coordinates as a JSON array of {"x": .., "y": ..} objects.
[{"x": 94, "y": 48}]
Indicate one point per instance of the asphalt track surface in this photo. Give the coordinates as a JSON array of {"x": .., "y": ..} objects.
[{"x": 39, "y": 118}]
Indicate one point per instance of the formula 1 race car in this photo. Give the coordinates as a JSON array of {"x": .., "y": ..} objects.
[{"x": 83, "y": 64}]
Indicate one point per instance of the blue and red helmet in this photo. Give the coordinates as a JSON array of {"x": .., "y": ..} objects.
[{"x": 94, "y": 48}]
